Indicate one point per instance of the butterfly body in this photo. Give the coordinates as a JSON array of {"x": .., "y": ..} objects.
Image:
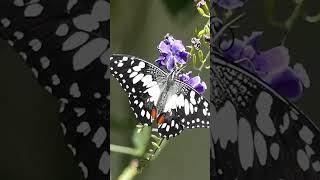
[{"x": 175, "y": 104}]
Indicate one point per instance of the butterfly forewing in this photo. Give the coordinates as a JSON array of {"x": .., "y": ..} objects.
[
  {"x": 142, "y": 81},
  {"x": 256, "y": 133}
]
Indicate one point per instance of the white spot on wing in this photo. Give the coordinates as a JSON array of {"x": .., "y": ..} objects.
[
  {"x": 99, "y": 137},
  {"x": 104, "y": 163},
  {"x": 89, "y": 52},
  {"x": 264, "y": 121},
  {"x": 245, "y": 144}
]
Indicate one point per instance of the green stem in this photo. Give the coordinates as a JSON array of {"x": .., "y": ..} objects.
[
  {"x": 124, "y": 150},
  {"x": 130, "y": 172},
  {"x": 294, "y": 16},
  {"x": 204, "y": 61}
]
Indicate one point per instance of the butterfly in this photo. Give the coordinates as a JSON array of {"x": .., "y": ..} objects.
[
  {"x": 256, "y": 133},
  {"x": 156, "y": 95},
  {"x": 66, "y": 43}
]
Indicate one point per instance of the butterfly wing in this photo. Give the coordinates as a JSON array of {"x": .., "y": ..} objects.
[
  {"x": 65, "y": 43},
  {"x": 190, "y": 109},
  {"x": 256, "y": 133},
  {"x": 141, "y": 80}
]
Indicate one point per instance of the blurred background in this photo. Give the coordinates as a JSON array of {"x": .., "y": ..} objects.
[
  {"x": 31, "y": 140},
  {"x": 137, "y": 27}
]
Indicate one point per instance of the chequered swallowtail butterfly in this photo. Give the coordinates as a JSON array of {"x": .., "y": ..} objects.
[
  {"x": 256, "y": 133},
  {"x": 65, "y": 43},
  {"x": 157, "y": 95}
]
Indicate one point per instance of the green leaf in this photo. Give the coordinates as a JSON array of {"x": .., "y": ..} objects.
[
  {"x": 194, "y": 60},
  {"x": 201, "y": 11},
  {"x": 200, "y": 55},
  {"x": 201, "y": 33}
]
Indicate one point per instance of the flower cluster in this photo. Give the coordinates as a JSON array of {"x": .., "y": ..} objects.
[
  {"x": 195, "y": 82},
  {"x": 174, "y": 54},
  {"x": 271, "y": 65}
]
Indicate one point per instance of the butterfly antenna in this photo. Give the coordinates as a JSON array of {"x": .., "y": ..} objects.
[{"x": 226, "y": 26}]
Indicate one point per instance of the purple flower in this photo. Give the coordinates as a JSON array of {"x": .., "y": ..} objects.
[
  {"x": 195, "y": 82},
  {"x": 172, "y": 52},
  {"x": 230, "y": 4},
  {"x": 271, "y": 65},
  {"x": 200, "y": 3}
]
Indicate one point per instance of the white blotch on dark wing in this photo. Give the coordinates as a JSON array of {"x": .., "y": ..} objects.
[
  {"x": 18, "y": 3},
  {"x": 5, "y": 22},
  {"x": 147, "y": 79},
  {"x": 171, "y": 103},
  {"x": 75, "y": 40},
  {"x": 283, "y": 127},
  {"x": 303, "y": 160},
  {"x": 73, "y": 150},
  {"x": 55, "y": 80},
  {"x": 79, "y": 111},
  {"x": 48, "y": 88},
  {"x": 86, "y": 22},
  {"x": 19, "y": 35},
  {"x": 99, "y": 137},
  {"x": 62, "y": 30},
  {"x": 154, "y": 92},
  {"x": 309, "y": 151},
  {"x": 275, "y": 150},
  {"x": 306, "y": 135},
  {"x": 264, "y": 121},
  {"x": 71, "y": 4},
  {"x": 100, "y": 10},
  {"x": 35, "y": 72},
  {"x": 89, "y": 52},
  {"x": 84, "y": 128},
  {"x": 84, "y": 170},
  {"x": 45, "y": 62},
  {"x": 35, "y": 44},
  {"x": 23, "y": 55},
  {"x": 186, "y": 107},
  {"x": 33, "y": 10},
  {"x": 225, "y": 125},
  {"x": 245, "y": 144},
  {"x": 316, "y": 166},
  {"x": 97, "y": 95},
  {"x": 260, "y": 147},
  {"x": 64, "y": 129},
  {"x": 74, "y": 90},
  {"x": 104, "y": 163}
]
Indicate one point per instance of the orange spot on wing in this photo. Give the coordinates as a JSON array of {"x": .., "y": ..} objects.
[
  {"x": 154, "y": 112},
  {"x": 161, "y": 119}
]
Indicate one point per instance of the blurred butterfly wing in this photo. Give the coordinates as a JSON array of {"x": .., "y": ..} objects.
[
  {"x": 65, "y": 43},
  {"x": 256, "y": 133}
]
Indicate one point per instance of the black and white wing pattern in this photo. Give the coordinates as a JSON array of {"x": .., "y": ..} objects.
[
  {"x": 178, "y": 107},
  {"x": 256, "y": 133},
  {"x": 65, "y": 44},
  {"x": 141, "y": 80}
]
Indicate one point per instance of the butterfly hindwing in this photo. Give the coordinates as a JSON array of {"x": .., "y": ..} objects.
[
  {"x": 256, "y": 133},
  {"x": 194, "y": 109},
  {"x": 65, "y": 44}
]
